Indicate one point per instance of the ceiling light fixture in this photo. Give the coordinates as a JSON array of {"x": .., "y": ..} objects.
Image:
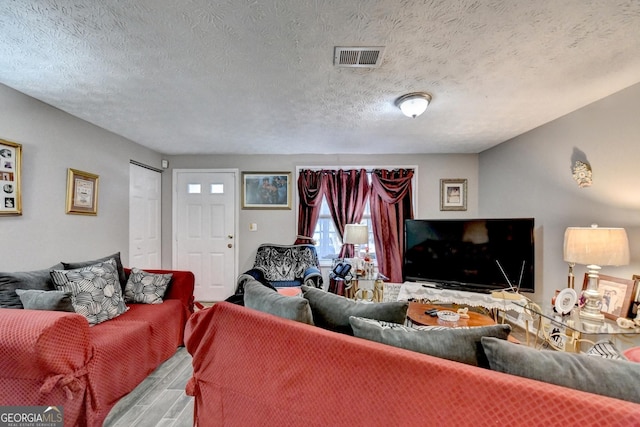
[{"x": 413, "y": 104}]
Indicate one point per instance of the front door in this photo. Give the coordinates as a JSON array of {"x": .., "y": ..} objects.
[{"x": 205, "y": 230}]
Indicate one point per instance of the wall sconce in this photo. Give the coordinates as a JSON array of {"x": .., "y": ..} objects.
[
  {"x": 413, "y": 104},
  {"x": 582, "y": 174}
]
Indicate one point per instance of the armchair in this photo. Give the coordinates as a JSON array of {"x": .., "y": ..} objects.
[{"x": 284, "y": 266}]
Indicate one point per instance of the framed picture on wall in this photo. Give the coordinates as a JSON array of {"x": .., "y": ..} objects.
[
  {"x": 453, "y": 194},
  {"x": 617, "y": 295},
  {"x": 82, "y": 192},
  {"x": 10, "y": 169},
  {"x": 266, "y": 190}
]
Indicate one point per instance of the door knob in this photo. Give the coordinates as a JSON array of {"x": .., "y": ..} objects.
[{"x": 229, "y": 245}]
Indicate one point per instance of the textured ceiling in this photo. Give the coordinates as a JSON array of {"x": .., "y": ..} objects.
[{"x": 239, "y": 76}]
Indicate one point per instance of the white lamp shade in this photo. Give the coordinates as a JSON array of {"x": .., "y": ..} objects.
[
  {"x": 596, "y": 246},
  {"x": 356, "y": 234}
]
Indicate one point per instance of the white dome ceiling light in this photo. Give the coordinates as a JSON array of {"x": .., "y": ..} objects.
[{"x": 413, "y": 104}]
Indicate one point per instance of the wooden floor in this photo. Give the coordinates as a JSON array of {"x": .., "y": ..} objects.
[{"x": 160, "y": 399}]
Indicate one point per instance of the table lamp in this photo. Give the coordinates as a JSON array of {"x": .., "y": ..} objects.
[
  {"x": 356, "y": 234},
  {"x": 595, "y": 247}
]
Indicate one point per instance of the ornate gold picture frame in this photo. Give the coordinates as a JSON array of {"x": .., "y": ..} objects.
[
  {"x": 82, "y": 192},
  {"x": 10, "y": 179}
]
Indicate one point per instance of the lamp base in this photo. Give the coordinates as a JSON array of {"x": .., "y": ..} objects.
[
  {"x": 590, "y": 315},
  {"x": 591, "y": 309}
]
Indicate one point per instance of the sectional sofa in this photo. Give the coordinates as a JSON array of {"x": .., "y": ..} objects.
[
  {"x": 261, "y": 367},
  {"x": 56, "y": 358}
]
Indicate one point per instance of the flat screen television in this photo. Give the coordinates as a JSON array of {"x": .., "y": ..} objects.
[{"x": 470, "y": 254}]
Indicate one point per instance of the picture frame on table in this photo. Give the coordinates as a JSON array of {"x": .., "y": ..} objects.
[
  {"x": 10, "y": 178},
  {"x": 82, "y": 193},
  {"x": 266, "y": 190},
  {"x": 635, "y": 303},
  {"x": 617, "y": 295},
  {"x": 453, "y": 194}
]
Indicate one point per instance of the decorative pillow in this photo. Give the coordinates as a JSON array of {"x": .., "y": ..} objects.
[
  {"x": 262, "y": 298},
  {"x": 460, "y": 345},
  {"x": 607, "y": 350},
  {"x": 331, "y": 311},
  {"x": 95, "y": 290},
  {"x": 35, "y": 299},
  {"x": 146, "y": 288},
  {"x": 614, "y": 378},
  {"x": 632, "y": 354},
  {"x": 122, "y": 277},
  {"x": 9, "y": 282}
]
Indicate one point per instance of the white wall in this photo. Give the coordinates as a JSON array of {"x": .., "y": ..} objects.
[
  {"x": 53, "y": 141},
  {"x": 530, "y": 176},
  {"x": 279, "y": 226}
]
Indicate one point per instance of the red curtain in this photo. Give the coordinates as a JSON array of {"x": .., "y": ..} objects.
[
  {"x": 346, "y": 193},
  {"x": 390, "y": 203},
  {"x": 310, "y": 190}
]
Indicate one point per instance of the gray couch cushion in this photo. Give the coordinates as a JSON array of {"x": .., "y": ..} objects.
[
  {"x": 37, "y": 279},
  {"x": 458, "y": 344},
  {"x": 35, "y": 299},
  {"x": 331, "y": 311},
  {"x": 614, "y": 378},
  {"x": 262, "y": 298}
]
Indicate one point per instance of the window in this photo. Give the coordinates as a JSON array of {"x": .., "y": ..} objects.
[
  {"x": 328, "y": 242},
  {"x": 327, "y": 238}
]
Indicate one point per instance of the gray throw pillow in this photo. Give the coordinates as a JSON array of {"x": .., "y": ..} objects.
[
  {"x": 614, "y": 378},
  {"x": 331, "y": 311},
  {"x": 35, "y": 299},
  {"x": 262, "y": 298},
  {"x": 458, "y": 344},
  {"x": 122, "y": 277},
  {"x": 9, "y": 282}
]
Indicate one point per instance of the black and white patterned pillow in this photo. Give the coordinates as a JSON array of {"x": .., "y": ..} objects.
[
  {"x": 95, "y": 290},
  {"x": 146, "y": 288},
  {"x": 607, "y": 350}
]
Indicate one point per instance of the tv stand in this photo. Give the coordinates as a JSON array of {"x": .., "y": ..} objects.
[{"x": 425, "y": 292}]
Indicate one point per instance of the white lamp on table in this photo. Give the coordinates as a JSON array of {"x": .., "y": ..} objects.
[{"x": 594, "y": 247}]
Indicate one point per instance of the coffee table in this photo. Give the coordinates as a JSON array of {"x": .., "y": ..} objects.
[{"x": 416, "y": 313}]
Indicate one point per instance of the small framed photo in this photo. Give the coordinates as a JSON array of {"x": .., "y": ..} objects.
[
  {"x": 453, "y": 194},
  {"x": 635, "y": 304},
  {"x": 82, "y": 193},
  {"x": 10, "y": 169},
  {"x": 266, "y": 190},
  {"x": 617, "y": 295}
]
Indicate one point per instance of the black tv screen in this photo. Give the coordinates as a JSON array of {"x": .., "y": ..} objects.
[{"x": 470, "y": 254}]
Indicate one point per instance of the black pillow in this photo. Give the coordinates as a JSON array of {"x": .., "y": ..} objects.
[{"x": 37, "y": 279}]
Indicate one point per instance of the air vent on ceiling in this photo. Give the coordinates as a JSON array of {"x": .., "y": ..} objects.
[{"x": 360, "y": 57}]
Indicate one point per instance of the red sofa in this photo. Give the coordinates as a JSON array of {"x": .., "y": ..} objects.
[
  {"x": 50, "y": 358},
  {"x": 255, "y": 369}
]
